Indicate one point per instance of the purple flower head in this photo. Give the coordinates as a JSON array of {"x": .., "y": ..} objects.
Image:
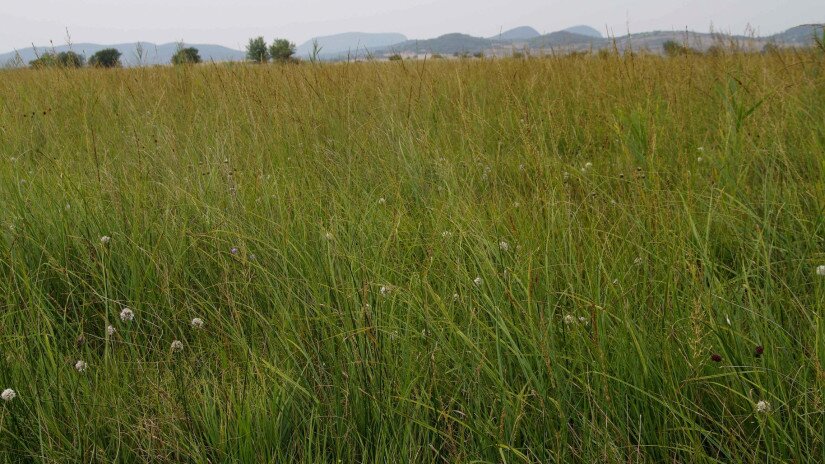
[
  {"x": 757, "y": 352},
  {"x": 716, "y": 357},
  {"x": 234, "y": 250}
]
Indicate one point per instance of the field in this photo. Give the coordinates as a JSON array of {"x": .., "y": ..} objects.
[{"x": 568, "y": 259}]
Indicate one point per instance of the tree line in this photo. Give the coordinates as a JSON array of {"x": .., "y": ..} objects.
[{"x": 257, "y": 51}]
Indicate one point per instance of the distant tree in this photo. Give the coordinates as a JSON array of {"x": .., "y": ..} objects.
[
  {"x": 478, "y": 55},
  {"x": 256, "y": 50},
  {"x": 395, "y": 57},
  {"x": 46, "y": 60},
  {"x": 106, "y": 58},
  {"x": 281, "y": 50},
  {"x": 437, "y": 56},
  {"x": 673, "y": 48},
  {"x": 715, "y": 50},
  {"x": 186, "y": 55},
  {"x": 70, "y": 59}
]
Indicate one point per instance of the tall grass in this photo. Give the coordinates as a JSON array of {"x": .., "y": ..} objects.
[{"x": 653, "y": 212}]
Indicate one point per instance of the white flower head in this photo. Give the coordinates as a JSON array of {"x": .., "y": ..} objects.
[
  {"x": 570, "y": 319},
  {"x": 455, "y": 297},
  {"x": 516, "y": 204},
  {"x": 763, "y": 407},
  {"x": 328, "y": 236},
  {"x": 8, "y": 394},
  {"x": 565, "y": 176},
  {"x": 105, "y": 240},
  {"x": 583, "y": 320},
  {"x": 177, "y": 346},
  {"x": 700, "y": 149},
  {"x": 446, "y": 234},
  {"x": 699, "y": 159},
  {"x": 588, "y": 165},
  {"x": 820, "y": 270},
  {"x": 385, "y": 290},
  {"x": 477, "y": 281},
  {"x": 504, "y": 246},
  {"x": 110, "y": 330},
  {"x": 197, "y": 323},
  {"x": 80, "y": 366},
  {"x": 382, "y": 201},
  {"x": 638, "y": 261},
  {"x": 127, "y": 315}
]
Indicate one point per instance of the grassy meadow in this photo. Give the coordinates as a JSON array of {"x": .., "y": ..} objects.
[{"x": 546, "y": 260}]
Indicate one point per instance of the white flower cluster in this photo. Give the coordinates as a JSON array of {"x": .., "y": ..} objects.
[
  {"x": 8, "y": 394},
  {"x": 81, "y": 366},
  {"x": 127, "y": 315},
  {"x": 763, "y": 407}
]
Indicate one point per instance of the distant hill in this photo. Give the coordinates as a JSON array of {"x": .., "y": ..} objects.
[
  {"x": 358, "y": 45},
  {"x": 152, "y": 53},
  {"x": 563, "y": 38},
  {"x": 585, "y": 30},
  {"x": 445, "y": 44},
  {"x": 799, "y": 35},
  {"x": 349, "y": 42},
  {"x": 518, "y": 33}
]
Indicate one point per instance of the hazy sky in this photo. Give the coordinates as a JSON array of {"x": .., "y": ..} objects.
[{"x": 232, "y": 22}]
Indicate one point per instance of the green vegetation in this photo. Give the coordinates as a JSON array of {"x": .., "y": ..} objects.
[
  {"x": 257, "y": 51},
  {"x": 281, "y": 50},
  {"x": 673, "y": 48},
  {"x": 592, "y": 259},
  {"x": 68, "y": 59},
  {"x": 106, "y": 58},
  {"x": 186, "y": 55}
]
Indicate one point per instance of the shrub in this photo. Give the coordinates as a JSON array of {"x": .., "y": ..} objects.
[
  {"x": 106, "y": 58},
  {"x": 70, "y": 59},
  {"x": 281, "y": 50},
  {"x": 45, "y": 60},
  {"x": 187, "y": 55},
  {"x": 256, "y": 50},
  {"x": 673, "y": 48}
]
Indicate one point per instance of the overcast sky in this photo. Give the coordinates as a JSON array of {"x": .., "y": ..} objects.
[{"x": 232, "y": 22}]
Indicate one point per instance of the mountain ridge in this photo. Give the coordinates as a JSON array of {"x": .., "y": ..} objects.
[{"x": 358, "y": 45}]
